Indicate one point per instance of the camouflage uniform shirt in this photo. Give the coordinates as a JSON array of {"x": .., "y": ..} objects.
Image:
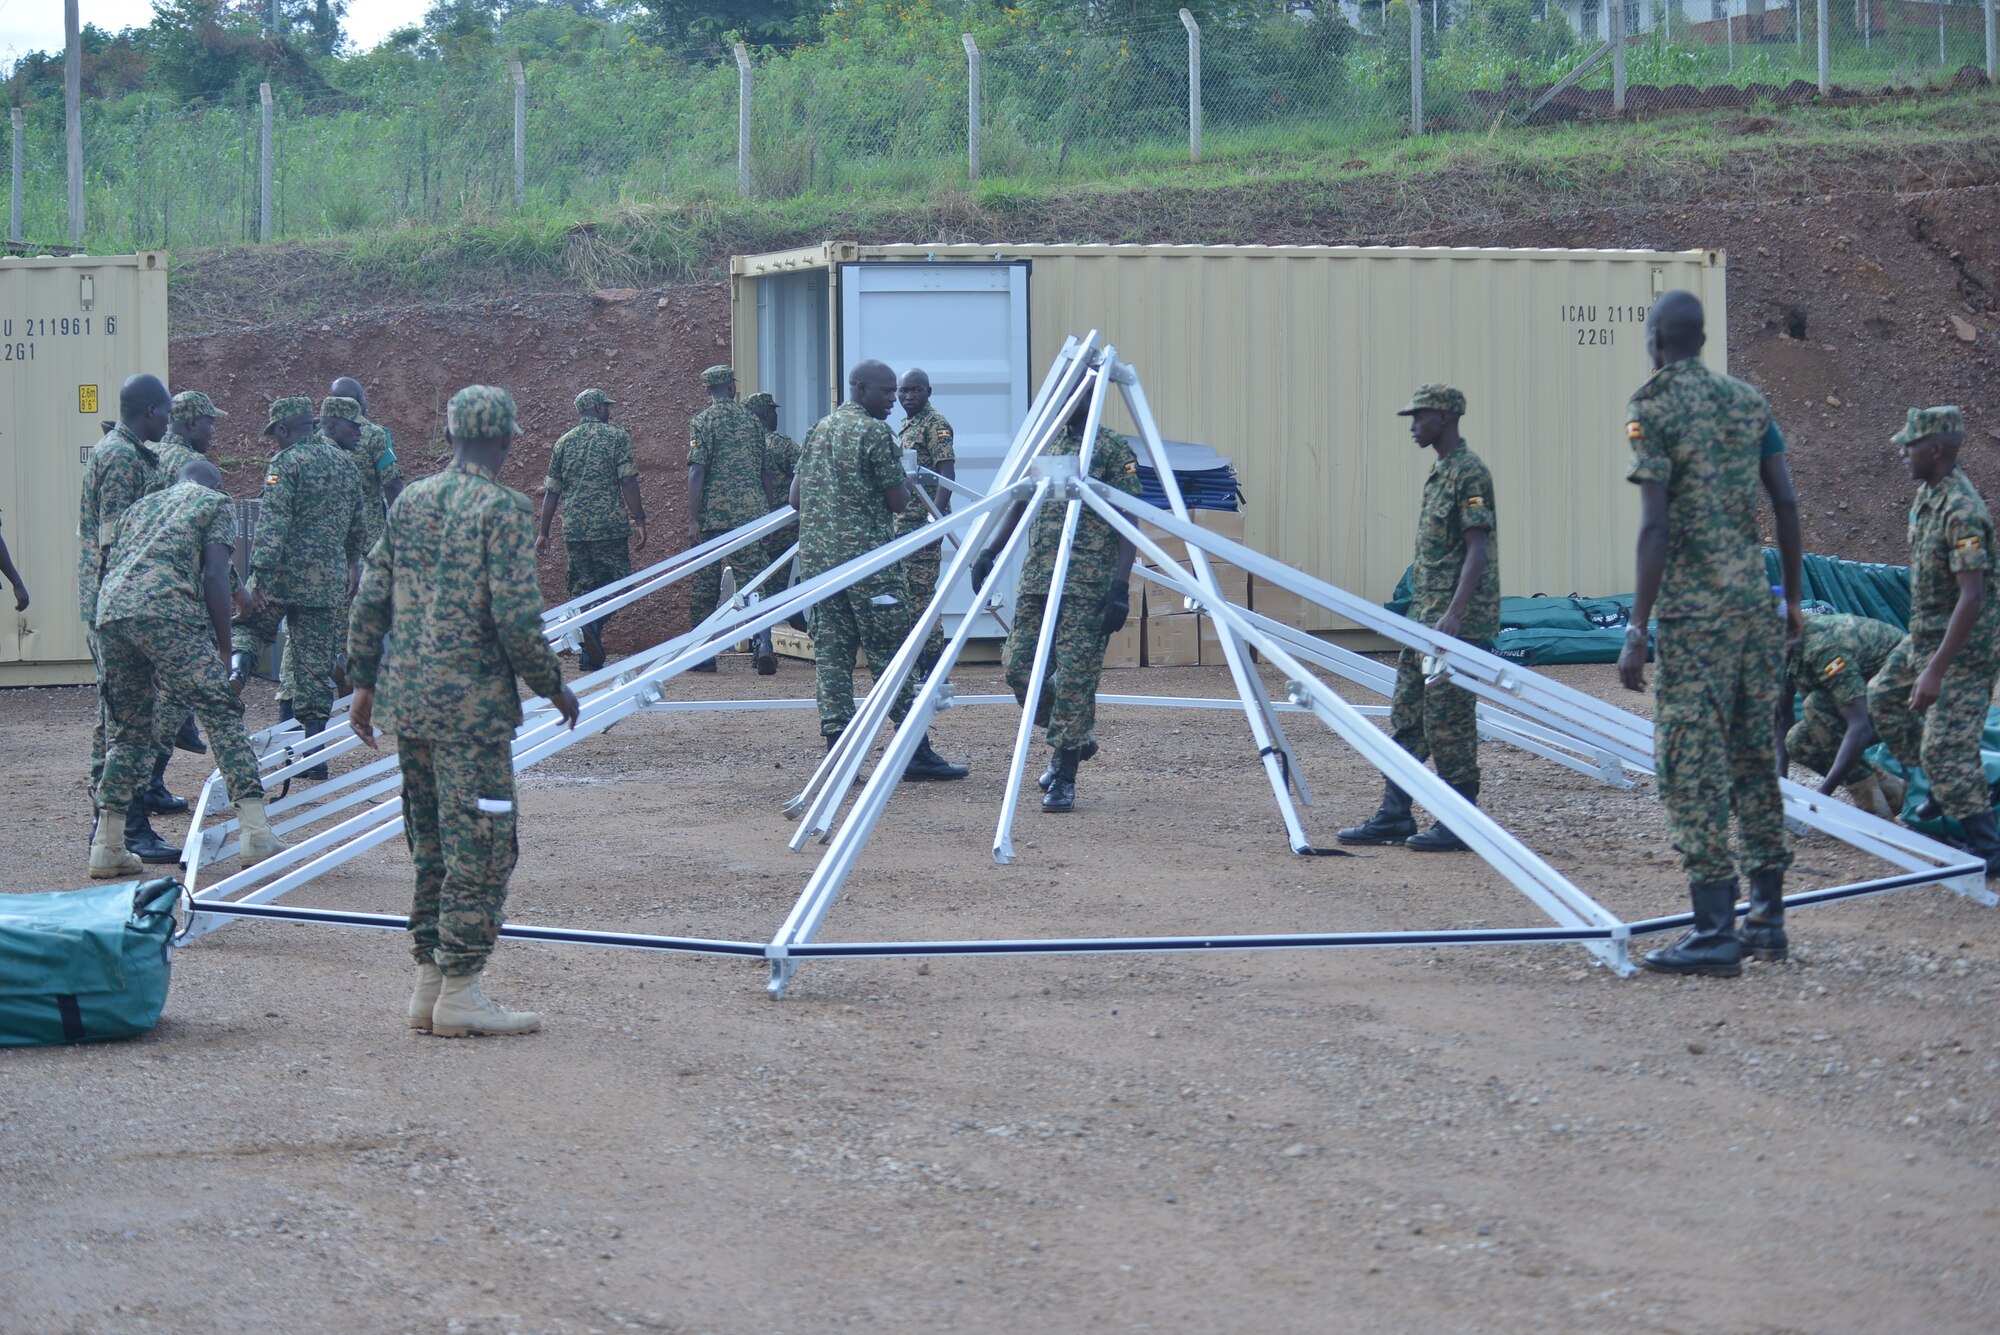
[
  {"x": 174, "y": 454},
  {"x": 590, "y": 462},
  {"x": 929, "y": 434},
  {"x": 1950, "y": 531},
  {"x": 452, "y": 584},
  {"x": 1837, "y": 655},
  {"x": 309, "y": 526},
  {"x": 155, "y": 566},
  {"x": 848, "y": 460},
  {"x": 1458, "y": 497},
  {"x": 120, "y": 470},
  {"x": 729, "y": 443},
  {"x": 1704, "y": 436},
  {"x": 1094, "y": 558},
  {"x": 781, "y": 457},
  {"x": 375, "y": 461}
]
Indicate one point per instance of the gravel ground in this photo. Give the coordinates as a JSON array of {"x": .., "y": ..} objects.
[{"x": 1495, "y": 1139}]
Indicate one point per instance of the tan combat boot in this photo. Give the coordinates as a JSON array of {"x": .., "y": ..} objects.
[
  {"x": 1895, "y": 790},
  {"x": 110, "y": 860},
  {"x": 463, "y": 1009},
  {"x": 256, "y": 841},
  {"x": 422, "y": 1001},
  {"x": 1868, "y": 795}
]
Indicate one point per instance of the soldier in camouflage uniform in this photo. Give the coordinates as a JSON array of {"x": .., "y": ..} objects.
[
  {"x": 1929, "y": 701},
  {"x": 592, "y": 469},
  {"x": 848, "y": 490},
  {"x": 926, "y": 432},
  {"x": 454, "y": 578},
  {"x": 1096, "y": 600},
  {"x": 303, "y": 561},
  {"x": 1702, "y": 446},
  {"x": 163, "y": 616},
  {"x": 1456, "y": 580},
  {"x": 781, "y": 461},
  {"x": 121, "y": 468},
  {"x": 374, "y": 458},
  {"x": 1830, "y": 666},
  {"x": 729, "y": 486}
]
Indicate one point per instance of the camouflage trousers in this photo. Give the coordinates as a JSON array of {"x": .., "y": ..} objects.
[
  {"x": 315, "y": 639},
  {"x": 920, "y": 572},
  {"x": 748, "y": 562},
  {"x": 460, "y": 823},
  {"x": 1814, "y": 739},
  {"x": 870, "y": 620},
  {"x": 1944, "y": 739},
  {"x": 594, "y": 564},
  {"x": 1439, "y": 723},
  {"x": 776, "y": 546},
  {"x": 171, "y": 712},
  {"x": 1068, "y": 707},
  {"x": 134, "y": 654},
  {"x": 1715, "y": 744}
]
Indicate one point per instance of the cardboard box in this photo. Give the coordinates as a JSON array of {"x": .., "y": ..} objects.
[
  {"x": 1127, "y": 648},
  {"x": 1173, "y": 641},
  {"x": 1175, "y": 549},
  {"x": 1222, "y": 523}
]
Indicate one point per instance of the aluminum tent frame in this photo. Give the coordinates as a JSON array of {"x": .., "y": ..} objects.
[{"x": 1516, "y": 706}]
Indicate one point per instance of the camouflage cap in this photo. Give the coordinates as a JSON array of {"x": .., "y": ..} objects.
[
  {"x": 760, "y": 401},
  {"x": 481, "y": 412},
  {"x": 191, "y": 405},
  {"x": 592, "y": 399},
  {"x": 334, "y": 405},
  {"x": 717, "y": 376},
  {"x": 1921, "y": 422},
  {"x": 286, "y": 409},
  {"x": 1443, "y": 398}
]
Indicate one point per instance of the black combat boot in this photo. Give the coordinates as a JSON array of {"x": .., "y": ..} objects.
[
  {"x": 142, "y": 840},
  {"x": 1712, "y": 949},
  {"x": 284, "y": 708},
  {"x": 927, "y": 766},
  {"x": 707, "y": 665},
  {"x": 1982, "y": 839},
  {"x": 1088, "y": 751},
  {"x": 1061, "y": 794},
  {"x": 1391, "y": 823},
  {"x": 313, "y": 727},
  {"x": 767, "y": 655},
  {"x": 239, "y": 668},
  {"x": 155, "y": 797},
  {"x": 592, "y": 657},
  {"x": 189, "y": 738},
  {"x": 1763, "y": 929},
  {"x": 1439, "y": 838}
]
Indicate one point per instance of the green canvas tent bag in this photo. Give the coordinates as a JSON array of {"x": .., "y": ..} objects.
[{"x": 81, "y": 965}]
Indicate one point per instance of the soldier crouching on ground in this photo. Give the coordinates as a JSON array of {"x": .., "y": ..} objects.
[
  {"x": 163, "y": 613},
  {"x": 1929, "y": 701},
  {"x": 1830, "y": 666},
  {"x": 454, "y": 575}
]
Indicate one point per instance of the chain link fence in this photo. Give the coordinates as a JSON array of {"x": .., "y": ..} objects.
[{"x": 450, "y": 144}]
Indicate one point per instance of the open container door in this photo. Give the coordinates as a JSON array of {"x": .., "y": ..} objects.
[{"x": 964, "y": 323}]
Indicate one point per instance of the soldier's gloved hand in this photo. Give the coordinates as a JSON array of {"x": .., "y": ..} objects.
[
  {"x": 1117, "y": 607},
  {"x": 982, "y": 568}
]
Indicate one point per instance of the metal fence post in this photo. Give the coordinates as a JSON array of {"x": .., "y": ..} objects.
[
  {"x": 73, "y": 116},
  {"x": 1416, "y": 67},
  {"x": 743, "y": 120},
  {"x": 520, "y": 136},
  {"x": 971, "y": 106},
  {"x": 1826, "y": 53},
  {"x": 1992, "y": 69},
  {"x": 14, "y": 217},
  {"x": 1617, "y": 18},
  {"x": 264, "y": 169},
  {"x": 1194, "y": 85}
]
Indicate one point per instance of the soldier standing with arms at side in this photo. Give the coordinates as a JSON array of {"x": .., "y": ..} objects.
[
  {"x": 1456, "y": 582},
  {"x": 454, "y": 577},
  {"x": 374, "y": 456},
  {"x": 304, "y": 561},
  {"x": 592, "y": 469},
  {"x": 1830, "y": 666},
  {"x": 728, "y": 487},
  {"x": 849, "y": 489},
  {"x": 163, "y": 615},
  {"x": 1703, "y": 444},
  {"x": 926, "y": 432},
  {"x": 1929, "y": 701},
  {"x": 121, "y": 468},
  {"x": 1096, "y": 600}
]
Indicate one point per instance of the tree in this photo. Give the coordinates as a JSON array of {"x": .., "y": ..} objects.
[{"x": 693, "y": 24}]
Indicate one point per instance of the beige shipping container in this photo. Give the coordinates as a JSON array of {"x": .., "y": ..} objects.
[
  {"x": 72, "y": 328},
  {"x": 1290, "y": 361}
]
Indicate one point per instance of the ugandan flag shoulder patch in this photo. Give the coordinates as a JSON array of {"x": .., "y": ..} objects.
[
  {"x": 1475, "y": 502},
  {"x": 1968, "y": 544},
  {"x": 1633, "y": 431},
  {"x": 271, "y": 480},
  {"x": 1834, "y": 668}
]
